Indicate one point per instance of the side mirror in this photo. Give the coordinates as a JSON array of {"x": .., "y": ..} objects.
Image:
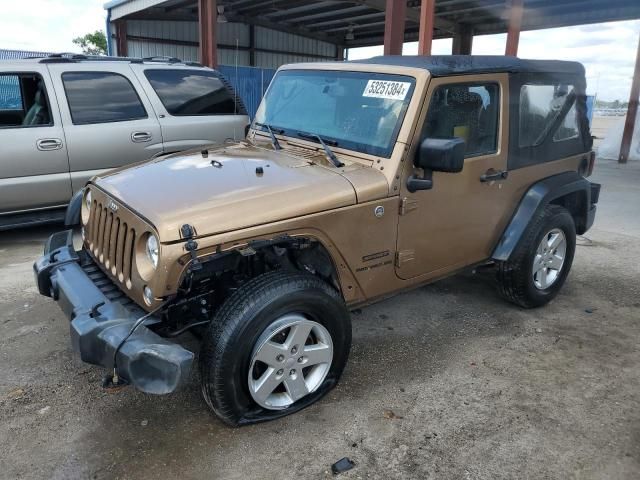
[
  {"x": 437, "y": 155},
  {"x": 441, "y": 154}
]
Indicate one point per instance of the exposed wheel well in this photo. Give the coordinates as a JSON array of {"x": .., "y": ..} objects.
[
  {"x": 204, "y": 289},
  {"x": 576, "y": 204}
]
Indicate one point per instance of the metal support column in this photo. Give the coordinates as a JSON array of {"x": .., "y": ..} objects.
[
  {"x": 394, "y": 18},
  {"x": 207, "y": 19},
  {"x": 427, "y": 19},
  {"x": 462, "y": 41},
  {"x": 121, "y": 37},
  {"x": 632, "y": 112},
  {"x": 515, "y": 24},
  {"x": 252, "y": 45}
]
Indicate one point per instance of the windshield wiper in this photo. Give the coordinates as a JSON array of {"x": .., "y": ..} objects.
[
  {"x": 274, "y": 140},
  {"x": 330, "y": 155}
]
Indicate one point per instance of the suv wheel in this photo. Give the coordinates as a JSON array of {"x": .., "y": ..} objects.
[
  {"x": 277, "y": 344},
  {"x": 538, "y": 267}
]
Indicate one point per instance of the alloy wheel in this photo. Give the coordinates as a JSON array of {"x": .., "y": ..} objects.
[{"x": 290, "y": 360}]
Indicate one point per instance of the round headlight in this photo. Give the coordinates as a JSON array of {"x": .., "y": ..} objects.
[
  {"x": 86, "y": 207},
  {"x": 152, "y": 250},
  {"x": 87, "y": 200}
]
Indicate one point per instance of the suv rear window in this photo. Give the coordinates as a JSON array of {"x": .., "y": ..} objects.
[
  {"x": 101, "y": 97},
  {"x": 192, "y": 92}
]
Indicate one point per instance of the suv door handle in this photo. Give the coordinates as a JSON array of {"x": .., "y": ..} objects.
[
  {"x": 139, "y": 137},
  {"x": 491, "y": 175},
  {"x": 46, "y": 144}
]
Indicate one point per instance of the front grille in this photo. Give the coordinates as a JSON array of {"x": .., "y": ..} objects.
[{"x": 111, "y": 241}]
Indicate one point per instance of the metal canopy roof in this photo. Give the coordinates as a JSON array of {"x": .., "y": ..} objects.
[{"x": 333, "y": 21}]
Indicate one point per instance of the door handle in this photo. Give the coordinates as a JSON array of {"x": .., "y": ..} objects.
[
  {"x": 492, "y": 175},
  {"x": 46, "y": 144},
  {"x": 139, "y": 137}
]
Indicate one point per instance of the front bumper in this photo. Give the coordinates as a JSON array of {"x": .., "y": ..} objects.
[{"x": 102, "y": 316}]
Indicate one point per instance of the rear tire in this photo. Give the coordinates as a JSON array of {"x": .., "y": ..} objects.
[
  {"x": 538, "y": 267},
  {"x": 248, "y": 322}
]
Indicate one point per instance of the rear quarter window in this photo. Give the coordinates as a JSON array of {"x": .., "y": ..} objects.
[
  {"x": 540, "y": 106},
  {"x": 101, "y": 97},
  {"x": 193, "y": 92}
]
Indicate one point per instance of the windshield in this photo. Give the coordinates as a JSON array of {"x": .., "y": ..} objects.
[{"x": 359, "y": 111}]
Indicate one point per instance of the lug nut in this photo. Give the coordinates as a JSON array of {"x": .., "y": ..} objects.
[
  {"x": 292, "y": 372},
  {"x": 294, "y": 350},
  {"x": 300, "y": 359},
  {"x": 280, "y": 372},
  {"x": 280, "y": 358}
]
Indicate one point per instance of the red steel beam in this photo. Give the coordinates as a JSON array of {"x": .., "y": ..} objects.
[
  {"x": 394, "y": 18},
  {"x": 121, "y": 37},
  {"x": 207, "y": 20},
  {"x": 427, "y": 20},
  {"x": 515, "y": 25},
  {"x": 632, "y": 112}
]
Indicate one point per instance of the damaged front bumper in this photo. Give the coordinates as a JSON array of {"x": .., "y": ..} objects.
[{"x": 102, "y": 317}]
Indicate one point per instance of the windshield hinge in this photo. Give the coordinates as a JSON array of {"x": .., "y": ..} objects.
[{"x": 407, "y": 204}]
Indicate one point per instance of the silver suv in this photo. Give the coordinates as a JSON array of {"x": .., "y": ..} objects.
[{"x": 66, "y": 118}]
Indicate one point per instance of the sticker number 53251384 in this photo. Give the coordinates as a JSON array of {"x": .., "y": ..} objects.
[{"x": 386, "y": 89}]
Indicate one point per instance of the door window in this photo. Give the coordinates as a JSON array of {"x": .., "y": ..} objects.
[
  {"x": 101, "y": 97},
  {"x": 467, "y": 111},
  {"x": 23, "y": 101},
  {"x": 192, "y": 92},
  {"x": 540, "y": 107}
]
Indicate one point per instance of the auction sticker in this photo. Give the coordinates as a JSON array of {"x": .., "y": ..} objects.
[{"x": 386, "y": 89}]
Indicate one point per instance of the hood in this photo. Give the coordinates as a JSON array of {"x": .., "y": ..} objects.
[{"x": 225, "y": 191}]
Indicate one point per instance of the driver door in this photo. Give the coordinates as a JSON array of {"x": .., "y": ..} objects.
[{"x": 458, "y": 221}]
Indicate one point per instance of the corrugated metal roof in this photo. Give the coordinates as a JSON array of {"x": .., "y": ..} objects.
[{"x": 334, "y": 21}]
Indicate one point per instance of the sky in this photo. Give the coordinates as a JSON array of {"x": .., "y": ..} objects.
[{"x": 607, "y": 50}]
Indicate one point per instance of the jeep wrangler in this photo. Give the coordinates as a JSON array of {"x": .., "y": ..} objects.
[{"x": 357, "y": 180}]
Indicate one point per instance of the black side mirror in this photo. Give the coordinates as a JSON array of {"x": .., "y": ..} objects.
[
  {"x": 441, "y": 154},
  {"x": 437, "y": 155}
]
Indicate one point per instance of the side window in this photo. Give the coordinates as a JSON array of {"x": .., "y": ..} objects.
[
  {"x": 192, "y": 92},
  {"x": 468, "y": 111},
  {"x": 540, "y": 106},
  {"x": 23, "y": 101},
  {"x": 569, "y": 127},
  {"x": 101, "y": 97}
]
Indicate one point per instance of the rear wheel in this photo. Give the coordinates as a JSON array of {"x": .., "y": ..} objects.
[
  {"x": 537, "y": 269},
  {"x": 278, "y": 344}
]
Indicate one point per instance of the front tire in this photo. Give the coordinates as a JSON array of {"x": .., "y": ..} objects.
[
  {"x": 538, "y": 267},
  {"x": 276, "y": 345}
]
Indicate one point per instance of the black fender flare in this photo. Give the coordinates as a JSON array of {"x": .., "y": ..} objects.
[
  {"x": 72, "y": 215},
  {"x": 537, "y": 197}
]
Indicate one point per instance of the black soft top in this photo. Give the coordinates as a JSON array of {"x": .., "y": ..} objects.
[{"x": 444, "y": 65}]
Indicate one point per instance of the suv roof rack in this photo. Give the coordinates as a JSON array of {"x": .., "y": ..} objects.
[{"x": 67, "y": 57}]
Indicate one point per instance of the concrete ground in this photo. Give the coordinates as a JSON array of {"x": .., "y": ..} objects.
[{"x": 447, "y": 381}]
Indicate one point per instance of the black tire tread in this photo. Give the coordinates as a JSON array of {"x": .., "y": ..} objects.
[
  {"x": 226, "y": 320},
  {"x": 512, "y": 274}
]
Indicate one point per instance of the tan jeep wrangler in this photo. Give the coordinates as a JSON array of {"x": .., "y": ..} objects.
[{"x": 357, "y": 180}]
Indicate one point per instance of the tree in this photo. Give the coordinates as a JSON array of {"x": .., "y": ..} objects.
[{"x": 92, "y": 43}]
